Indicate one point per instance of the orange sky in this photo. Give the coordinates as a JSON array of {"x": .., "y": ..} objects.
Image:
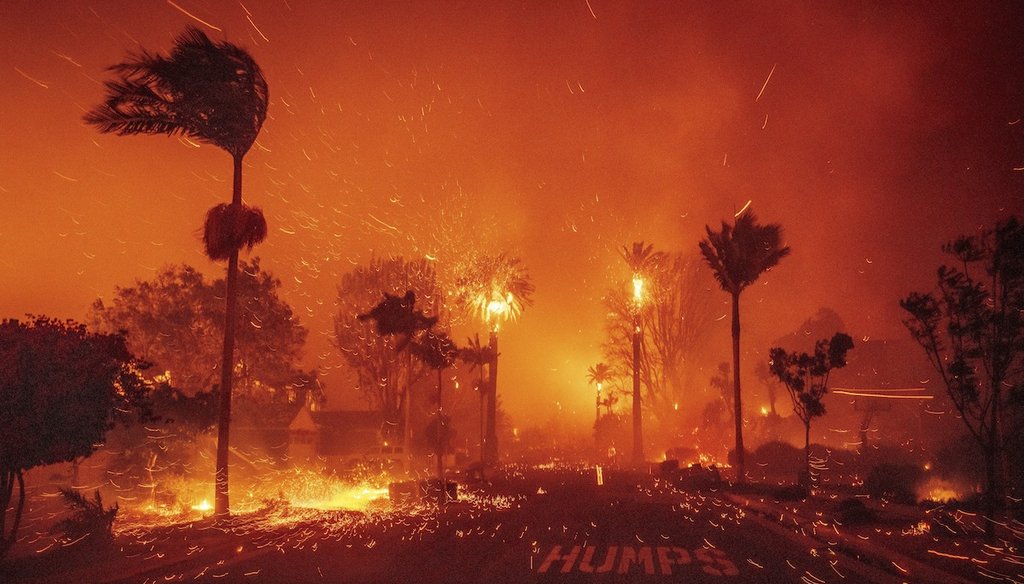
[{"x": 559, "y": 130}]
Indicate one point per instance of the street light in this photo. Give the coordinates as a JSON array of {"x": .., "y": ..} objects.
[{"x": 638, "y": 443}]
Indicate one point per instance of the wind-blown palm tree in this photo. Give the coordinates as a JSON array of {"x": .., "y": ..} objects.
[
  {"x": 738, "y": 255},
  {"x": 213, "y": 92}
]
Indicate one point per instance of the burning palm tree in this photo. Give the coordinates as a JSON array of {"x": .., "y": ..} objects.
[
  {"x": 214, "y": 93},
  {"x": 598, "y": 375},
  {"x": 496, "y": 288},
  {"x": 642, "y": 260}
]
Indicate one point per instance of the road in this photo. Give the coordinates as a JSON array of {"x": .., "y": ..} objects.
[{"x": 547, "y": 525}]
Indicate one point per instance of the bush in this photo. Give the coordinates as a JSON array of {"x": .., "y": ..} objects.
[
  {"x": 894, "y": 482},
  {"x": 89, "y": 521},
  {"x": 779, "y": 458},
  {"x": 853, "y": 511}
]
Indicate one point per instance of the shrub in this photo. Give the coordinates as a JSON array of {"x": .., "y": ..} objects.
[
  {"x": 88, "y": 521},
  {"x": 853, "y": 511},
  {"x": 895, "y": 482},
  {"x": 779, "y": 458}
]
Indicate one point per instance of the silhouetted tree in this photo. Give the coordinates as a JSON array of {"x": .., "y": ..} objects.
[
  {"x": 214, "y": 93},
  {"x": 61, "y": 389},
  {"x": 674, "y": 318},
  {"x": 439, "y": 352},
  {"x": 374, "y": 357},
  {"x": 738, "y": 254},
  {"x": 494, "y": 288},
  {"x": 821, "y": 325},
  {"x": 972, "y": 329},
  {"x": 176, "y": 319},
  {"x": 476, "y": 355},
  {"x": 397, "y": 316},
  {"x": 806, "y": 377},
  {"x": 722, "y": 382},
  {"x": 599, "y": 375}
]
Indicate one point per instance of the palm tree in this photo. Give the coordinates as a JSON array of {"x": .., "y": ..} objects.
[
  {"x": 642, "y": 260},
  {"x": 214, "y": 93},
  {"x": 477, "y": 355},
  {"x": 496, "y": 288},
  {"x": 738, "y": 255},
  {"x": 598, "y": 375}
]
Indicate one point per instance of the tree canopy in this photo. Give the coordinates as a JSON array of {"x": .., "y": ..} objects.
[
  {"x": 211, "y": 91},
  {"x": 61, "y": 389},
  {"x": 971, "y": 327},
  {"x": 674, "y": 317},
  {"x": 738, "y": 254},
  {"x": 371, "y": 355},
  {"x": 175, "y": 321},
  {"x": 805, "y": 376}
]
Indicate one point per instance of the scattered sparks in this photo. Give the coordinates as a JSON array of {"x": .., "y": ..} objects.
[
  {"x": 193, "y": 16},
  {"x": 742, "y": 210},
  {"x": 769, "y": 78},
  {"x": 43, "y": 84}
]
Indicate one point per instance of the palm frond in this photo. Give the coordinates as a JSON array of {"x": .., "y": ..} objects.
[
  {"x": 229, "y": 228},
  {"x": 212, "y": 92},
  {"x": 738, "y": 254}
]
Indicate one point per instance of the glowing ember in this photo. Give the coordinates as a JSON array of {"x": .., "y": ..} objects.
[{"x": 203, "y": 507}]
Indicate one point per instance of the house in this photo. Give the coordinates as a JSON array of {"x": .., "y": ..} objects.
[
  {"x": 335, "y": 438},
  {"x": 887, "y": 393}
]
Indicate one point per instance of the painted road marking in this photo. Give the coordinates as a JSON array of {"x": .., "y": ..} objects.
[{"x": 627, "y": 559}]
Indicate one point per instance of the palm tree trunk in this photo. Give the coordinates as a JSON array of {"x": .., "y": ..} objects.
[
  {"x": 741, "y": 475},
  {"x": 221, "y": 506},
  {"x": 638, "y": 436},
  {"x": 440, "y": 438},
  {"x": 407, "y": 414},
  {"x": 491, "y": 440}
]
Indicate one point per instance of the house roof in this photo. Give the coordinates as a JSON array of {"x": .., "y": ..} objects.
[
  {"x": 335, "y": 420},
  {"x": 340, "y": 432}
]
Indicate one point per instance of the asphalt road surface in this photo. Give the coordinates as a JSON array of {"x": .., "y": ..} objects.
[{"x": 545, "y": 525}]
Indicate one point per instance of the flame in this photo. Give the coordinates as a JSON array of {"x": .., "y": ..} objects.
[
  {"x": 638, "y": 289},
  {"x": 186, "y": 499},
  {"x": 940, "y": 491}
]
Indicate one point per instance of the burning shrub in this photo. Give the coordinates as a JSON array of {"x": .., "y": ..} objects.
[
  {"x": 89, "y": 520},
  {"x": 895, "y": 482}
]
